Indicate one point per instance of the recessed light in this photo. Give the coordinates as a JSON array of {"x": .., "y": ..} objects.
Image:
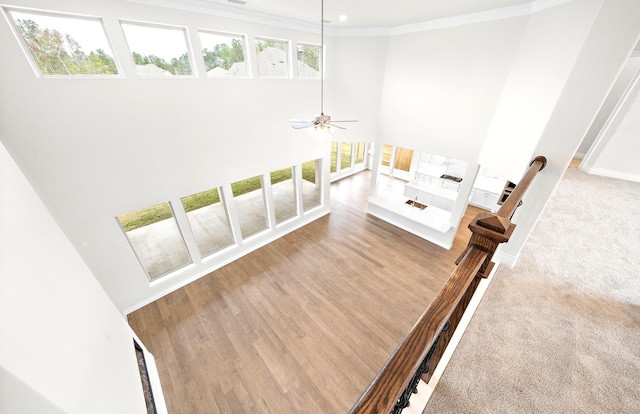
[{"x": 343, "y": 18}]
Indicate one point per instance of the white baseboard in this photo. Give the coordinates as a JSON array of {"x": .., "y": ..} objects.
[
  {"x": 505, "y": 258},
  {"x": 611, "y": 173}
]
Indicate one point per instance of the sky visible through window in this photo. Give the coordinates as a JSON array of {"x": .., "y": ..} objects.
[
  {"x": 158, "y": 50},
  {"x": 210, "y": 40},
  {"x": 223, "y": 54},
  {"x": 65, "y": 45},
  {"x": 88, "y": 32},
  {"x": 162, "y": 41}
]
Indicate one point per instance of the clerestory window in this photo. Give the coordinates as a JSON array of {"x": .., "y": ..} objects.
[
  {"x": 273, "y": 58},
  {"x": 308, "y": 61},
  {"x": 64, "y": 45},
  {"x": 158, "y": 50},
  {"x": 224, "y": 55}
]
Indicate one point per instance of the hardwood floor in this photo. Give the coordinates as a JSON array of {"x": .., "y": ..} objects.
[
  {"x": 301, "y": 325},
  {"x": 575, "y": 163}
]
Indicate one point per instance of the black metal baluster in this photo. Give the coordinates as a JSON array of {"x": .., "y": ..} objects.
[{"x": 412, "y": 388}]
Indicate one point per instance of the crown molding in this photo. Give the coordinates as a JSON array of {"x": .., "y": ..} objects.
[
  {"x": 518, "y": 10},
  {"x": 204, "y": 7}
]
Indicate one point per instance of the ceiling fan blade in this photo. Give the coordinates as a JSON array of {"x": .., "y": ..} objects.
[
  {"x": 305, "y": 125},
  {"x": 352, "y": 120},
  {"x": 301, "y": 121},
  {"x": 334, "y": 126}
]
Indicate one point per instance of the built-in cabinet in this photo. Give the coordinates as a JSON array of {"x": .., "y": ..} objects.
[
  {"x": 484, "y": 199},
  {"x": 436, "y": 181},
  {"x": 430, "y": 197},
  {"x": 487, "y": 190},
  {"x": 436, "y": 197},
  {"x": 426, "y": 197}
]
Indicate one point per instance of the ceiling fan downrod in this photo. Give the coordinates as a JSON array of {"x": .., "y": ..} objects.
[{"x": 322, "y": 120}]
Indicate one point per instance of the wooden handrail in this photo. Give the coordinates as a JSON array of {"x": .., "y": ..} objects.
[
  {"x": 511, "y": 203},
  {"x": 382, "y": 394},
  {"x": 397, "y": 377}
]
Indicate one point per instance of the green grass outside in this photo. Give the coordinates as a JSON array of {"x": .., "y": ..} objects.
[
  {"x": 345, "y": 156},
  {"x": 360, "y": 146},
  {"x": 159, "y": 212},
  {"x": 334, "y": 157},
  {"x": 140, "y": 218}
]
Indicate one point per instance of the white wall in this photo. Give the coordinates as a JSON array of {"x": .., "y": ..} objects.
[
  {"x": 98, "y": 148},
  {"x": 605, "y": 50},
  {"x": 64, "y": 347},
  {"x": 356, "y": 69},
  {"x": 501, "y": 92},
  {"x": 617, "y": 91},
  {"x": 617, "y": 155},
  {"x": 546, "y": 56},
  {"x": 442, "y": 86}
]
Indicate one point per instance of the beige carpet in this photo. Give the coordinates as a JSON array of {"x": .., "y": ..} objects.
[{"x": 560, "y": 332}]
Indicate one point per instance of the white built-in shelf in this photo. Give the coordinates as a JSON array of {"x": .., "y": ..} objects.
[{"x": 487, "y": 190}]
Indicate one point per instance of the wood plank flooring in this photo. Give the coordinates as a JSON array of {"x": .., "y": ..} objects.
[{"x": 301, "y": 325}]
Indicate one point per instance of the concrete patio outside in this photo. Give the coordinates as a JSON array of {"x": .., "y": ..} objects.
[{"x": 161, "y": 249}]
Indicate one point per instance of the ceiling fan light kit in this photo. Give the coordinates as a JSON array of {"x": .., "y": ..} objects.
[{"x": 321, "y": 121}]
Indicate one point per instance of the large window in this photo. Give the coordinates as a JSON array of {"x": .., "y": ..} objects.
[
  {"x": 249, "y": 198},
  {"x": 158, "y": 50},
  {"x": 308, "y": 61},
  {"x": 63, "y": 45},
  {"x": 359, "y": 152},
  {"x": 273, "y": 58},
  {"x": 345, "y": 155},
  {"x": 156, "y": 239},
  {"x": 223, "y": 54},
  {"x": 284, "y": 195},
  {"x": 209, "y": 221},
  {"x": 334, "y": 157},
  {"x": 311, "y": 184}
]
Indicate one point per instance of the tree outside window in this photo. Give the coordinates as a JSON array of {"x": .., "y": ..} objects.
[
  {"x": 63, "y": 45},
  {"x": 223, "y": 54}
]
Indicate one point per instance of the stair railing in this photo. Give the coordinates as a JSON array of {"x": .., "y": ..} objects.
[{"x": 421, "y": 350}]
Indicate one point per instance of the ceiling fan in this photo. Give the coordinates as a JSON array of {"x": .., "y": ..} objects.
[{"x": 322, "y": 120}]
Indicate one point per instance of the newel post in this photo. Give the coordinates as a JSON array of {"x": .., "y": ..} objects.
[{"x": 491, "y": 229}]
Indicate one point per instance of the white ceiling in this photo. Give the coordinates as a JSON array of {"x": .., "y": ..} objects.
[{"x": 362, "y": 13}]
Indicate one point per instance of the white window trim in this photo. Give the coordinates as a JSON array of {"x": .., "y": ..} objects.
[
  {"x": 245, "y": 44},
  {"x": 289, "y": 65},
  {"x": 6, "y": 10},
  {"x": 187, "y": 40}
]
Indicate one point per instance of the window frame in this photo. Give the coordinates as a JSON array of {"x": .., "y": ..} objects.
[
  {"x": 320, "y": 58},
  {"x": 245, "y": 51},
  {"x": 234, "y": 242},
  {"x": 319, "y": 177},
  {"x": 288, "y": 66},
  {"x": 169, "y": 273},
  {"x": 6, "y": 10},
  {"x": 239, "y": 210},
  {"x": 296, "y": 196},
  {"x": 187, "y": 40}
]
